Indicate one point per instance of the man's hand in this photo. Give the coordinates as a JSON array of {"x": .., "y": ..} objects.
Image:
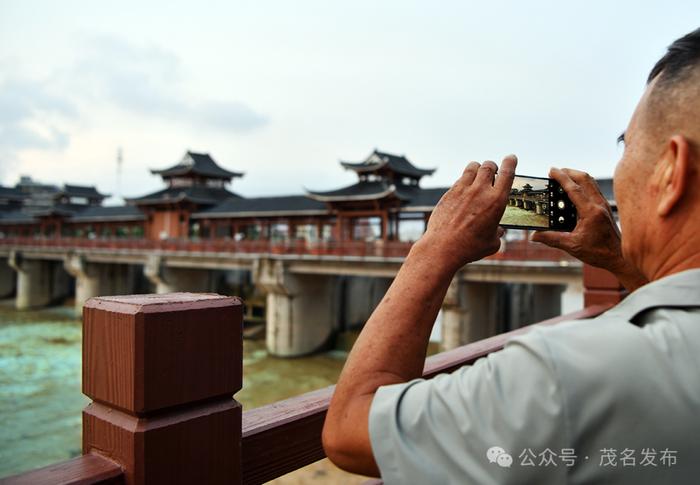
[
  {"x": 596, "y": 238},
  {"x": 464, "y": 224}
]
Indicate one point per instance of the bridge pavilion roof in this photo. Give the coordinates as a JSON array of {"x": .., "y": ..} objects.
[
  {"x": 378, "y": 160},
  {"x": 74, "y": 213},
  {"x": 87, "y": 191},
  {"x": 60, "y": 210},
  {"x": 412, "y": 198},
  {"x": 285, "y": 205},
  {"x": 113, "y": 213},
  {"x": 16, "y": 217},
  {"x": 193, "y": 164},
  {"x": 196, "y": 194},
  {"x": 421, "y": 199},
  {"x": 363, "y": 190},
  {"x": 12, "y": 193}
]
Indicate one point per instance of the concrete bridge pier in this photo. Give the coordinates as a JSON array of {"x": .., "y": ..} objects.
[
  {"x": 39, "y": 282},
  {"x": 170, "y": 280},
  {"x": 470, "y": 311},
  {"x": 7, "y": 280},
  {"x": 527, "y": 303},
  {"x": 475, "y": 310},
  {"x": 99, "y": 279},
  {"x": 535, "y": 302},
  {"x": 360, "y": 296},
  {"x": 301, "y": 309},
  {"x": 546, "y": 302},
  {"x": 87, "y": 280},
  {"x": 572, "y": 296}
]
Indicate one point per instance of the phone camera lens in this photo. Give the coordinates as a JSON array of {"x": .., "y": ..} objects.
[
  {"x": 561, "y": 219},
  {"x": 561, "y": 204}
]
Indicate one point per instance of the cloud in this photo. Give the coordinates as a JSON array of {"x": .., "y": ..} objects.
[
  {"x": 14, "y": 137},
  {"x": 148, "y": 81},
  {"x": 22, "y": 98},
  {"x": 31, "y": 117},
  {"x": 227, "y": 115}
]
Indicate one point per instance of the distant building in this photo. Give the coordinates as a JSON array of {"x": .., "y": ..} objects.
[
  {"x": 11, "y": 198},
  {"x": 33, "y": 208},
  {"x": 387, "y": 202},
  {"x": 197, "y": 182}
]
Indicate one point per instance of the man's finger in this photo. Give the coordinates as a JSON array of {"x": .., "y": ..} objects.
[
  {"x": 572, "y": 189},
  {"x": 580, "y": 177},
  {"x": 550, "y": 238},
  {"x": 589, "y": 184},
  {"x": 469, "y": 174},
  {"x": 584, "y": 180},
  {"x": 486, "y": 173},
  {"x": 506, "y": 173}
]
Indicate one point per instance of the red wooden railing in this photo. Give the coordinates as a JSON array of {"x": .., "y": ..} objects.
[
  {"x": 161, "y": 371},
  {"x": 520, "y": 250}
]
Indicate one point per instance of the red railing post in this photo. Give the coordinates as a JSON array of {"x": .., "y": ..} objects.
[
  {"x": 162, "y": 370},
  {"x": 601, "y": 287}
]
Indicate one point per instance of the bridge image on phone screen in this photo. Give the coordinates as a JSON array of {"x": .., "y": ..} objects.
[{"x": 538, "y": 203}]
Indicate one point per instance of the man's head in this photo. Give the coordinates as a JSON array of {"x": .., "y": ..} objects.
[{"x": 657, "y": 181}]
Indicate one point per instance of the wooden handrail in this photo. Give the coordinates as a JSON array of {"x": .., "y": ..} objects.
[
  {"x": 82, "y": 470},
  {"x": 283, "y": 436}
]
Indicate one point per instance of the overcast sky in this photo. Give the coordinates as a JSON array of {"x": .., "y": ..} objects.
[{"x": 282, "y": 90}]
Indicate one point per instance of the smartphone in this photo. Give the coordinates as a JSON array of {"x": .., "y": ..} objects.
[{"x": 538, "y": 203}]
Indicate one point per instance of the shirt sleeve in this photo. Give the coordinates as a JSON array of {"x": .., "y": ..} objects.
[{"x": 440, "y": 431}]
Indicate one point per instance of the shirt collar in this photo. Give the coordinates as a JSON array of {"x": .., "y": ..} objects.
[{"x": 678, "y": 290}]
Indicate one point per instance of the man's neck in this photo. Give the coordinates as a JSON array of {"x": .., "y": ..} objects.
[{"x": 674, "y": 258}]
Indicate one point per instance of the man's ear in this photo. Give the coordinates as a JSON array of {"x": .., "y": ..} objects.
[{"x": 672, "y": 175}]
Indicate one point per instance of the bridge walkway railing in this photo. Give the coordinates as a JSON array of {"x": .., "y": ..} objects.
[{"x": 518, "y": 250}]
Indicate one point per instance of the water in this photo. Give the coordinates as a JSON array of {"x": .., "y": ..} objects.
[
  {"x": 40, "y": 398},
  {"x": 40, "y": 379}
]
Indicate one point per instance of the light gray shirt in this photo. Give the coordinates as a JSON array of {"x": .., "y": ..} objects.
[{"x": 613, "y": 399}]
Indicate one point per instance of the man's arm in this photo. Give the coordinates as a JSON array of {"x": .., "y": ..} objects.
[
  {"x": 596, "y": 238},
  {"x": 391, "y": 347}
]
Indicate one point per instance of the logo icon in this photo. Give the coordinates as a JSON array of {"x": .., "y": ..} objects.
[{"x": 498, "y": 455}]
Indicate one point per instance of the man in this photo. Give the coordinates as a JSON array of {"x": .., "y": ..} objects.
[{"x": 609, "y": 400}]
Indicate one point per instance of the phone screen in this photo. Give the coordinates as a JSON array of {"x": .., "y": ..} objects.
[{"x": 538, "y": 203}]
